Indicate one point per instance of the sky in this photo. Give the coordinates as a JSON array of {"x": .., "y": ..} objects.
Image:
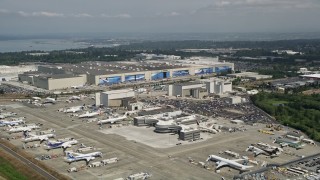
[{"x": 158, "y": 16}]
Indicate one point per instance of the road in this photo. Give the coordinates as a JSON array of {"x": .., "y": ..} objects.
[{"x": 33, "y": 166}]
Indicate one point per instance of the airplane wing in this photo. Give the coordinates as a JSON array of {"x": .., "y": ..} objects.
[
  {"x": 220, "y": 164},
  {"x": 89, "y": 158},
  {"x": 257, "y": 152},
  {"x": 43, "y": 139},
  {"x": 31, "y": 135},
  {"x": 66, "y": 145}
]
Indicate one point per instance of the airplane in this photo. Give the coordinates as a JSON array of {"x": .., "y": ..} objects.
[
  {"x": 61, "y": 144},
  {"x": 73, "y": 157},
  {"x": 40, "y": 138},
  {"x": 293, "y": 144},
  {"x": 113, "y": 120},
  {"x": 272, "y": 152},
  {"x": 23, "y": 128},
  {"x": 50, "y": 100},
  {"x": 11, "y": 123},
  {"x": 7, "y": 114},
  {"x": 74, "y": 98},
  {"x": 74, "y": 109},
  {"x": 89, "y": 114},
  {"x": 227, "y": 162},
  {"x": 36, "y": 98}
]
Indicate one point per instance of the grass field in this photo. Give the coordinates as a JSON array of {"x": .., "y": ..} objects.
[
  {"x": 13, "y": 169},
  {"x": 8, "y": 171}
]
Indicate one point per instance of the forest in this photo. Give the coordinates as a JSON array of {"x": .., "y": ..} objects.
[
  {"x": 299, "y": 111},
  {"x": 310, "y": 49}
]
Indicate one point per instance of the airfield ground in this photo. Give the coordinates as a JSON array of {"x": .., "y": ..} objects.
[{"x": 139, "y": 149}]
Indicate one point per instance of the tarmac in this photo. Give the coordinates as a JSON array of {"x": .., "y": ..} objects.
[{"x": 139, "y": 149}]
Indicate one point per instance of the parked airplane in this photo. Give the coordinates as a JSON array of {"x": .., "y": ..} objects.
[
  {"x": 89, "y": 114},
  {"x": 227, "y": 162},
  {"x": 74, "y": 109},
  {"x": 40, "y": 138},
  {"x": 23, "y": 128},
  {"x": 11, "y": 123},
  {"x": 50, "y": 100},
  {"x": 74, "y": 98},
  {"x": 73, "y": 157},
  {"x": 7, "y": 114},
  {"x": 36, "y": 98},
  {"x": 113, "y": 120},
  {"x": 61, "y": 144},
  {"x": 285, "y": 142},
  {"x": 272, "y": 152}
]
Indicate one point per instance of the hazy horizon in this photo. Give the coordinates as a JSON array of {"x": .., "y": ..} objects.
[{"x": 19, "y": 17}]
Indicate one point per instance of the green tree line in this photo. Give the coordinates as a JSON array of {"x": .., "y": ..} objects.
[{"x": 299, "y": 111}]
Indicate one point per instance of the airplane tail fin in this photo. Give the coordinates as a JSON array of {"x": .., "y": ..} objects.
[{"x": 69, "y": 155}]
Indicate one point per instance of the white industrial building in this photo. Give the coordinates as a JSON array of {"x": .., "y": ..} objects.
[
  {"x": 53, "y": 81},
  {"x": 217, "y": 86},
  {"x": 8, "y": 73},
  {"x": 114, "y": 98},
  {"x": 201, "y": 88},
  {"x": 234, "y": 100},
  {"x": 146, "y": 56},
  {"x": 250, "y": 75},
  {"x": 196, "y": 90}
]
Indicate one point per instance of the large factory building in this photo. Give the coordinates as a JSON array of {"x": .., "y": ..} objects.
[
  {"x": 108, "y": 73},
  {"x": 114, "y": 98}
]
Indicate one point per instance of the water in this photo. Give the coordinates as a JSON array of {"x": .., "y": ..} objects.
[
  {"x": 44, "y": 45},
  {"x": 67, "y": 41}
]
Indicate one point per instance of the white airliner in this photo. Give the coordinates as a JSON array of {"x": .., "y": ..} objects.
[
  {"x": 7, "y": 114},
  {"x": 227, "y": 162},
  {"x": 11, "y": 123},
  {"x": 89, "y": 114},
  {"x": 73, "y": 157},
  {"x": 113, "y": 120},
  {"x": 272, "y": 152},
  {"x": 74, "y": 109},
  {"x": 23, "y": 128},
  {"x": 36, "y": 98},
  {"x": 74, "y": 98},
  {"x": 50, "y": 100},
  {"x": 61, "y": 144},
  {"x": 40, "y": 138}
]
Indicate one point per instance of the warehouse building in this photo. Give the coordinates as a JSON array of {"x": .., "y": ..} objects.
[
  {"x": 189, "y": 134},
  {"x": 250, "y": 75},
  {"x": 115, "y": 98},
  {"x": 217, "y": 86},
  {"x": 234, "y": 100},
  {"x": 108, "y": 73},
  {"x": 53, "y": 81},
  {"x": 192, "y": 89}
]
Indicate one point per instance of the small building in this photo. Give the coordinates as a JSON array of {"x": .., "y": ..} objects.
[
  {"x": 115, "y": 98},
  {"x": 250, "y": 75},
  {"x": 134, "y": 106},
  {"x": 234, "y": 99},
  {"x": 189, "y": 135},
  {"x": 217, "y": 86}
]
